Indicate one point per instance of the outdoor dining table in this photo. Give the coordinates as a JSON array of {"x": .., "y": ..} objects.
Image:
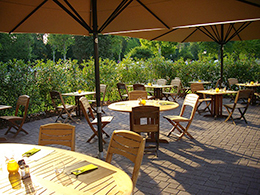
[
  {"x": 216, "y": 101},
  {"x": 158, "y": 89},
  {"x": 106, "y": 179},
  {"x": 253, "y": 86},
  {"x": 126, "y": 106},
  {"x": 78, "y": 95},
  {"x": 3, "y": 107},
  {"x": 203, "y": 82}
]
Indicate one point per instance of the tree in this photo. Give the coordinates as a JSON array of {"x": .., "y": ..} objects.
[
  {"x": 141, "y": 53},
  {"x": 16, "y": 46},
  {"x": 60, "y": 43}
]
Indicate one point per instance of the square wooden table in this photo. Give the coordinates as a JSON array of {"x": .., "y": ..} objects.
[
  {"x": 250, "y": 86},
  {"x": 78, "y": 95},
  {"x": 216, "y": 101}
]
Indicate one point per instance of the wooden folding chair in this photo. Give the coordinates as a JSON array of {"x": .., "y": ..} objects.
[
  {"x": 87, "y": 110},
  {"x": 138, "y": 86},
  {"x": 218, "y": 83},
  {"x": 196, "y": 87},
  {"x": 192, "y": 101},
  {"x": 57, "y": 133},
  {"x": 16, "y": 121},
  {"x": 61, "y": 107},
  {"x": 173, "y": 91},
  {"x": 130, "y": 145},
  {"x": 232, "y": 86},
  {"x": 136, "y": 94},
  {"x": 122, "y": 90},
  {"x": 145, "y": 119},
  {"x": 103, "y": 89},
  {"x": 242, "y": 94},
  {"x": 161, "y": 82}
]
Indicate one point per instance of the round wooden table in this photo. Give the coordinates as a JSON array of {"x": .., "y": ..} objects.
[
  {"x": 126, "y": 106},
  {"x": 105, "y": 179}
]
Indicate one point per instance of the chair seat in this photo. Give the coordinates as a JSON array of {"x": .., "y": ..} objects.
[
  {"x": 176, "y": 118},
  {"x": 67, "y": 107},
  {"x": 104, "y": 119},
  {"x": 205, "y": 100},
  {"x": 237, "y": 106},
  {"x": 16, "y": 118}
]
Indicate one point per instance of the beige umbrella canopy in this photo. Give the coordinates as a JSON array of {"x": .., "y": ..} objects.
[
  {"x": 91, "y": 17},
  {"x": 220, "y": 32},
  {"x": 75, "y": 16}
]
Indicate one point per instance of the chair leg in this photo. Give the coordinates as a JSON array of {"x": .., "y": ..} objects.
[
  {"x": 95, "y": 134},
  {"x": 242, "y": 114},
  {"x": 173, "y": 128},
  {"x": 104, "y": 124},
  {"x": 8, "y": 129}
]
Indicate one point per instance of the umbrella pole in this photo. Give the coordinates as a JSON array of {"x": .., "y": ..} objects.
[
  {"x": 97, "y": 79},
  {"x": 221, "y": 63},
  {"x": 221, "y": 54}
]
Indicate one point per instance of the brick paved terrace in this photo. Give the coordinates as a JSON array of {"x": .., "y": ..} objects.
[{"x": 222, "y": 159}]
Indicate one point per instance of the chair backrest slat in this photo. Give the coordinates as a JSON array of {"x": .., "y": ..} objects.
[
  {"x": 57, "y": 133},
  {"x": 130, "y": 145},
  {"x": 161, "y": 82},
  {"x": 136, "y": 94},
  {"x": 190, "y": 100}
]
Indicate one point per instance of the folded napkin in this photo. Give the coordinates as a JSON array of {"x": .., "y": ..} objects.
[
  {"x": 31, "y": 152},
  {"x": 84, "y": 169}
]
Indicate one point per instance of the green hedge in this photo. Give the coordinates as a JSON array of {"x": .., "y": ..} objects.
[{"x": 37, "y": 78}]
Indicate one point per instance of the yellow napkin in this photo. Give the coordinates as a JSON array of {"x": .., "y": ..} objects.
[
  {"x": 83, "y": 169},
  {"x": 31, "y": 152}
]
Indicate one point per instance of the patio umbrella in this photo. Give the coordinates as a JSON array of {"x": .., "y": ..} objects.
[
  {"x": 91, "y": 17},
  {"x": 219, "y": 32}
]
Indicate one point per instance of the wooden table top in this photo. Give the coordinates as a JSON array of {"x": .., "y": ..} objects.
[
  {"x": 213, "y": 92},
  {"x": 80, "y": 94},
  {"x": 158, "y": 86},
  {"x": 248, "y": 84},
  {"x": 154, "y": 86},
  {"x": 3, "y": 107},
  {"x": 106, "y": 179},
  {"x": 203, "y": 82},
  {"x": 126, "y": 106}
]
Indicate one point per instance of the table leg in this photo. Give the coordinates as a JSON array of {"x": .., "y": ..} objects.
[
  {"x": 158, "y": 93},
  {"x": 216, "y": 106},
  {"x": 77, "y": 103}
]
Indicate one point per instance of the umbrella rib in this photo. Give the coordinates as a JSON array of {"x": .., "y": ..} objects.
[
  {"x": 208, "y": 34},
  {"x": 115, "y": 13},
  {"x": 236, "y": 32},
  {"x": 163, "y": 34},
  {"x": 242, "y": 27},
  {"x": 73, "y": 16},
  {"x": 215, "y": 31},
  {"x": 250, "y": 3},
  {"x": 75, "y": 12},
  {"x": 29, "y": 15},
  {"x": 228, "y": 33},
  {"x": 189, "y": 35},
  {"x": 153, "y": 14}
]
